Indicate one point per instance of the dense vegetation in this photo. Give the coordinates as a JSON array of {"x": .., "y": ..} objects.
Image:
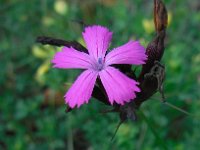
[{"x": 32, "y": 109}]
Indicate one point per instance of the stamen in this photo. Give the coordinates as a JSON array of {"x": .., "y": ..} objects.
[
  {"x": 100, "y": 64},
  {"x": 100, "y": 60}
]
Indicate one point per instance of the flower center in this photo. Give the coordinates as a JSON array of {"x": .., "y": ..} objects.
[{"x": 100, "y": 64}]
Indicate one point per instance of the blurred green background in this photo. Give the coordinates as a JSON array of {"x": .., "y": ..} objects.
[{"x": 32, "y": 109}]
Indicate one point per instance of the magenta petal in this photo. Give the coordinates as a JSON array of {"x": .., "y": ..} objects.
[
  {"x": 97, "y": 39},
  {"x": 71, "y": 58},
  {"x": 130, "y": 53},
  {"x": 81, "y": 90},
  {"x": 119, "y": 87}
]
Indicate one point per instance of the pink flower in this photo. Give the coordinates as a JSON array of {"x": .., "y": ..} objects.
[{"x": 118, "y": 86}]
